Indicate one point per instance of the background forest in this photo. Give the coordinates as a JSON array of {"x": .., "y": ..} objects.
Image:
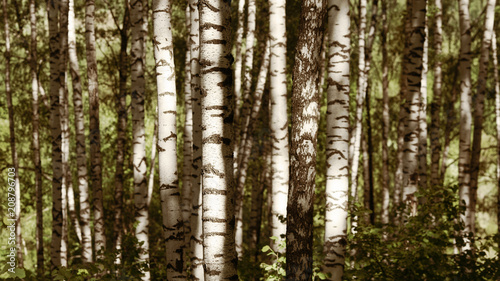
[{"x": 89, "y": 86}]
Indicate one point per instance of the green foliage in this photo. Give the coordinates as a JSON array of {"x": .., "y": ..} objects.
[
  {"x": 275, "y": 271},
  {"x": 421, "y": 247}
]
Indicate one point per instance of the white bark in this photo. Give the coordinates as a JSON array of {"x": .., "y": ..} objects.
[
  {"x": 278, "y": 121},
  {"x": 422, "y": 119},
  {"x": 167, "y": 139},
  {"x": 217, "y": 112},
  {"x": 197, "y": 270},
  {"x": 238, "y": 61},
  {"x": 337, "y": 139},
  {"x": 465, "y": 113}
]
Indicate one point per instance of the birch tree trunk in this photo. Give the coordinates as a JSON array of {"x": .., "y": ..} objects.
[
  {"x": 197, "y": 270},
  {"x": 15, "y": 162},
  {"x": 386, "y": 125},
  {"x": 167, "y": 139},
  {"x": 436, "y": 100},
  {"x": 422, "y": 118},
  {"x": 95, "y": 134},
  {"x": 497, "y": 115},
  {"x": 238, "y": 62},
  {"x": 121, "y": 132},
  {"x": 337, "y": 139},
  {"x": 36, "y": 143},
  {"x": 55, "y": 115},
  {"x": 246, "y": 148},
  {"x": 358, "y": 128},
  {"x": 413, "y": 80},
  {"x": 479, "y": 108},
  {"x": 305, "y": 118},
  {"x": 217, "y": 118},
  {"x": 278, "y": 120},
  {"x": 465, "y": 113},
  {"x": 64, "y": 119},
  {"x": 138, "y": 21},
  {"x": 187, "y": 148}
]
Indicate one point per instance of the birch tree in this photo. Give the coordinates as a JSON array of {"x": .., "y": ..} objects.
[
  {"x": 436, "y": 100},
  {"x": 238, "y": 62},
  {"x": 278, "y": 120},
  {"x": 386, "y": 125},
  {"x": 217, "y": 148},
  {"x": 305, "y": 118},
  {"x": 360, "y": 98},
  {"x": 422, "y": 118},
  {"x": 337, "y": 141},
  {"x": 167, "y": 139},
  {"x": 197, "y": 270},
  {"x": 138, "y": 22},
  {"x": 465, "y": 112},
  {"x": 479, "y": 108},
  {"x": 13, "y": 150},
  {"x": 413, "y": 80},
  {"x": 36, "y": 141},
  {"x": 95, "y": 134},
  {"x": 497, "y": 115},
  {"x": 121, "y": 129},
  {"x": 55, "y": 115}
]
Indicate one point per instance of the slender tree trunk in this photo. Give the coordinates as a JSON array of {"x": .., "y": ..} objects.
[
  {"x": 36, "y": 143},
  {"x": 497, "y": 113},
  {"x": 197, "y": 270},
  {"x": 278, "y": 121},
  {"x": 247, "y": 142},
  {"x": 413, "y": 81},
  {"x": 55, "y": 53},
  {"x": 465, "y": 113},
  {"x": 64, "y": 119},
  {"x": 152, "y": 160},
  {"x": 386, "y": 125},
  {"x": 81, "y": 157},
  {"x": 238, "y": 62},
  {"x": 358, "y": 128},
  {"x": 138, "y": 21},
  {"x": 436, "y": 101},
  {"x": 121, "y": 133},
  {"x": 398, "y": 177},
  {"x": 217, "y": 115},
  {"x": 305, "y": 118},
  {"x": 422, "y": 118},
  {"x": 479, "y": 109},
  {"x": 187, "y": 148},
  {"x": 95, "y": 134},
  {"x": 15, "y": 162},
  {"x": 167, "y": 139},
  {"x": 337, "y": 139}
]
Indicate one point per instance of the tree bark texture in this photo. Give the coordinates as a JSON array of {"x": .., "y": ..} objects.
[
  {"x": 238, "y": 62},
  {"x": 95, "y": 134},
  {"x": 121, "y": 132},
  {"x": 497, "y": 115},
  {"x": 219, "y": 255},
  {"x": 413, "y": 81},
  {"x": 337, "y": 139},
  {"x": 479, "y": 109},
  {"x": 422, "y": 118},
  {"x": 81, "y": 157},
  {"x": 360, "y": 98},
  {"x": 197, "y": 270},
  {"x": 465, "y": 112},
  {"x": 386, "y": 125},
  {"x": 55, "y": 115},
  {"x": 167, "y": 139},
  {"x": 138, "y": 24},
  {"x": 436, "y": 101},
  {"x": 305, "y": 118},
  {"x": 196, "y": 239},
  {"x": 187, "y": 147},
  {"x": 278, "y": 121},
  {"x": 36, "y": 142}
]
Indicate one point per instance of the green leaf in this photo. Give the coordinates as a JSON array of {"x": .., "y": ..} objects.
[{"x": 266, "y": 248}]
